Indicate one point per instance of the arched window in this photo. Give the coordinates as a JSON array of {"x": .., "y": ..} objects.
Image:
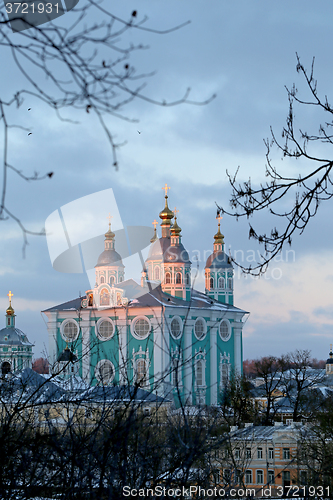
[
  {"x": 200, "y": 328},
  {"x": 211, "y": 283},
  {"x": 225, "y": 374},
  {"x": 178, "y": 278},
  {"x": 188, "y": 279},
  {"x": 112, "y": 280},
  {"x": 121, "y": 279},
  {"x": 104, "y": 371},
  {"x": 221, "y": 282},
  {"x": 230, "y": 283},
  {"x": 104, "y": 297},
  {"x": 167, "y": 278},
  {"x": 140, "y": 376},
  {"x": 199, "y": 372},
  {"x": 260, "y": 477},
  {"x": 248, "y": 476},
  {"x": 102, "y": 279},
  {"x": 157, "y": 273}
]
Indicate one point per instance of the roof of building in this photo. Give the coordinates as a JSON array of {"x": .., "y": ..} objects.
[
  {"x": 218, "y": 260},
  {"x": 12, "y": 336},
  {"x": 162, "y": 250},
  {"x": 109, "y": 258},
  {"x": 155, "y": 297}
]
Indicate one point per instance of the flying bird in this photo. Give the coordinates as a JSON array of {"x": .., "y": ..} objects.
[
  {"x": 139, "y": 132},
  {"x": 30, "y": 133},
  {"x": 29, "y": 109}
]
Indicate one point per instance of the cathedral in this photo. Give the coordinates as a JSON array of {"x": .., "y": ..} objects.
[
  {"x": 15, "y": 349},
  {"x": 161, "y": 333}
]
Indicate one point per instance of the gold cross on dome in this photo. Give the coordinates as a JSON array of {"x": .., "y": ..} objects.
[
  {"x": 155, "y": 224},
  {"x": 166, "y": 187},
  {"x": 10, "y": 294},
  {"x": 110, "y": 217},
  {"x": 176, "y": 212},
  {"x": 219, "y": 218}
]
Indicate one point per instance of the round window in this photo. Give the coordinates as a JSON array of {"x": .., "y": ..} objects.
[
  {"x": 70, "y": 330},
  {"x": 176, "y": 327},
  {"x": 105, "y": 329},
  {"x": 200, "y": 328},
  {"x": 104, "y": 371},
  {"x": 141, "y": 327},
  {"x": 224, "y": 330}
]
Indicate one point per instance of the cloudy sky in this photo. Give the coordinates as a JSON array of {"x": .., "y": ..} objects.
[{"x": 244, "y": 52}]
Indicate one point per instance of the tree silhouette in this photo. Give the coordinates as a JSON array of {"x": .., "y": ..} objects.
[{"x": 293, "y": 199}]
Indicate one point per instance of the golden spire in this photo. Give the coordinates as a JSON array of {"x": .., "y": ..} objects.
[
  {"x": 331, "y": 353},
  {"x": 109, "y": 235},
  {"x": 218, "y": 237},
  {"x": 166, "y": 215},
  {"x": 154, "y": 238},
  {"x": 175, "y": 229},
  {"x": 10, "y": 311}
]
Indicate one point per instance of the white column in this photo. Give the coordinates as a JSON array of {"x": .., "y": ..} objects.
[
  {"x": 52, "y": 332},
  {"x": 213, "y": 365},
  {"x": 237, "y": 326},
  {"x": 188, "y": 362},
  {"x": 86, "y": 345},
  {"x": 159, "y": 349},
  {"x": 122, "y": 338}
]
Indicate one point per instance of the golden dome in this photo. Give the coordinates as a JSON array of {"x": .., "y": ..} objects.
[
  {"x": 10, "y": 311},
  {"x": 175, "y": 230},
  {"x": 219, "y": 237},
  {"x": 166, "y": 214}
]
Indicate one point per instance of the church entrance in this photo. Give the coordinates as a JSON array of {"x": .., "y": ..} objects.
[{"x": 5, "y": 368}]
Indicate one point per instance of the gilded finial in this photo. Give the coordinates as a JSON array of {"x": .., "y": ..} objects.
[
  {"x": 175, "y": 229},
  {"x": 219, "y": 237},
  {"x": 165, "y": 189},
  {"x": 154, "y": 238},
  {"x": 10, "y": 311},
  {"x": 110, "y": 217}
]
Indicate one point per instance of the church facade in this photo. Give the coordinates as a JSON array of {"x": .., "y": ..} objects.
[{"x": 161, "y": 334}]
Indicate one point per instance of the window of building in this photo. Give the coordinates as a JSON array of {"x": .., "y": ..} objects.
[
  {"x": 105, "y": 329},
  {"x": 188, "y": 279},
  {"x": 168, "y": 278},
  {"x": 200, "y": 328},
  {"x": 225, "y": 374},
  {"x": 260, "y": 477},
  {"x": 176, "y": 327},
  {"x": 271, "y": 477},
  {"x": 286, "y": 454},
  {"x": 178, "y": 278},
  {"x": 104, "y": 297},
  {"x": 157, "y": 273},
  {"x": 259, "y": 453},
  {"x": 211, "y": 283},
  {"x": 248, "y": 476},
  {"x": 237, "y": 454},
  {"x": 141, "y": 372},
  {"x": 303, "y": 479},
  {"x": 221, "y": 282},
  {"x": 271, "y": 453},
  {"x": 102, "y": 279},
  {"x": 199, "y": 372},
  {"x": 69, "y": 330},
  {"x": 226, "y": 475},
  {"x": 230, "y": 283},
  {"x": 285, "y": 478},
  {"x": 176, "y": 372},
  {"x": 225, "y": 330},
  {"x": 112, "y": 280},
  {"x": 104, "y": 371},
  {"x": 141, "y": 327},
  {"x": 248, "y": 453}
]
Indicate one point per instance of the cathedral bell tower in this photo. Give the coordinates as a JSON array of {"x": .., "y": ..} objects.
[{"x": 219, "y": 273}]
